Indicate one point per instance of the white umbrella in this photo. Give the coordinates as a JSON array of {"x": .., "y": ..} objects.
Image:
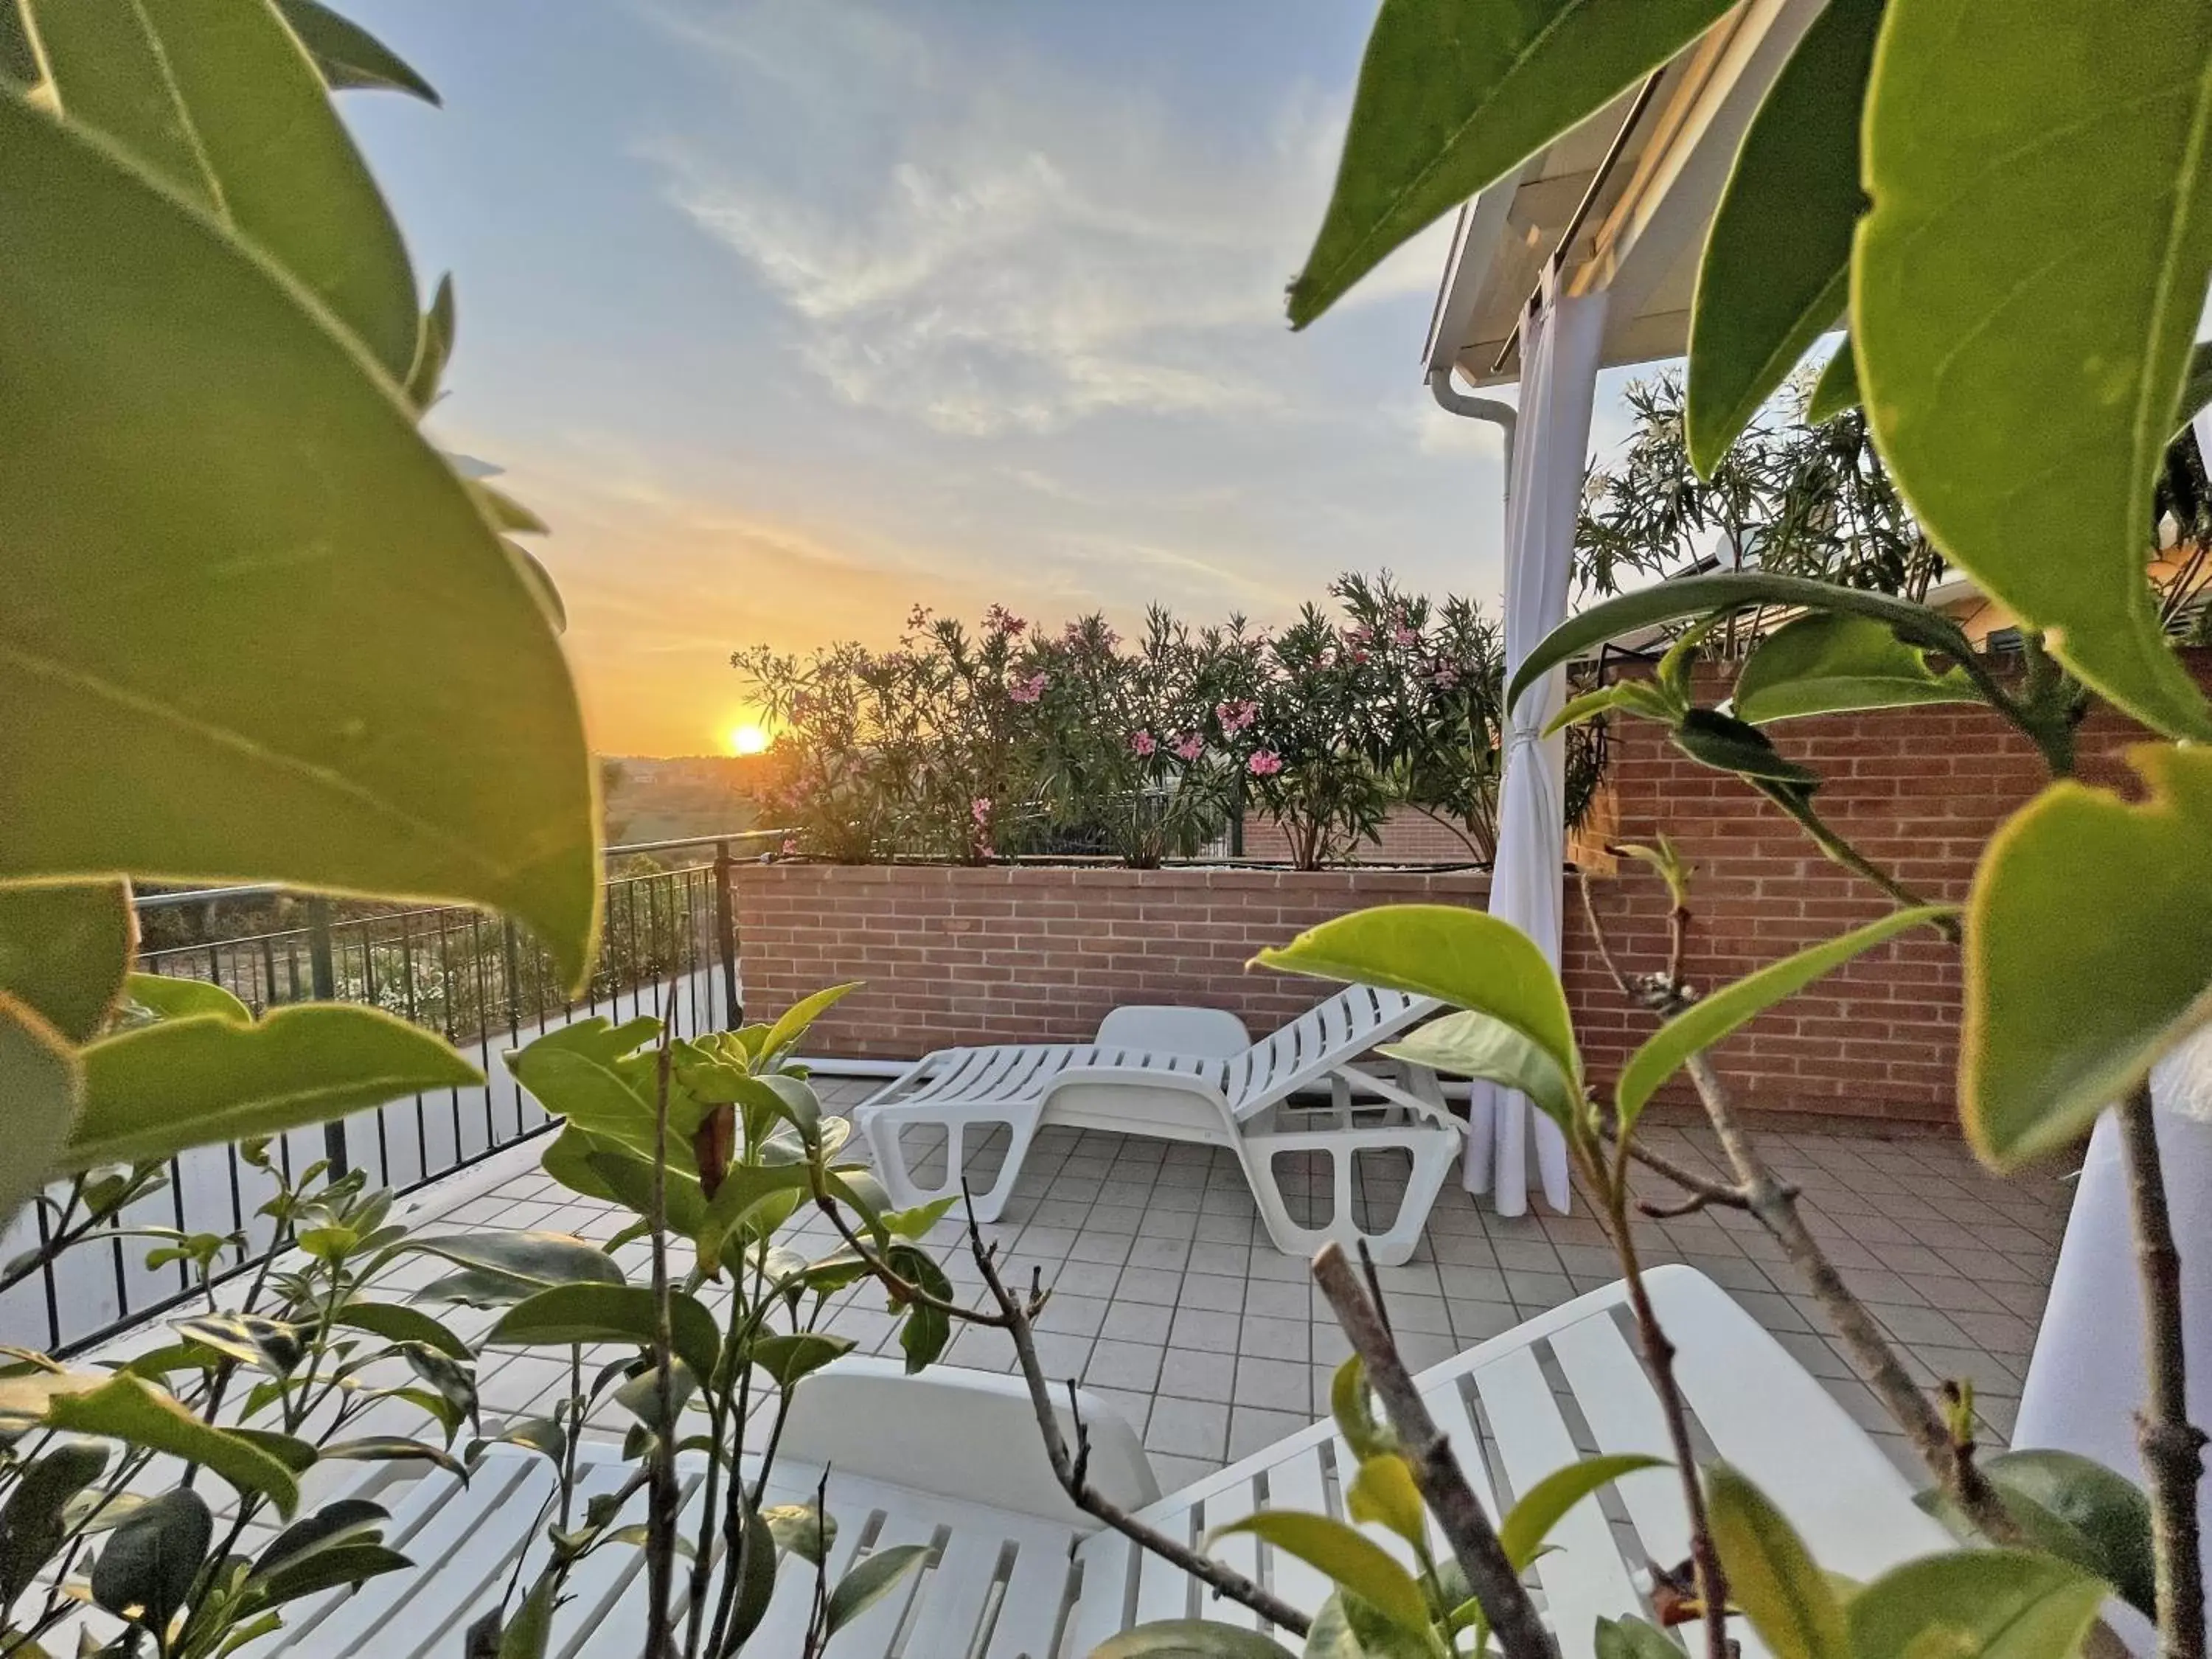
[{"x": 1559, "y": 346}]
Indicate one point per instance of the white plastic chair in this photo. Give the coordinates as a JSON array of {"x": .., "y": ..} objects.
[
  {"x": 950, "y": 1460},
  {"x": 1190, "y": 1075}
]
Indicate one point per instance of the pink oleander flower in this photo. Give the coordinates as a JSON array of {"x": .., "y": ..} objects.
[
  {"x": 1445, "y": 679},
  {"x": 791, "y": 846},
  {"x": 1236, "y": 716},
  {"x": 1403, "y": 635},
  {"x": 1264, "y": 764},
  {"x": 1359, "y": 634},
  {"x": 1191, "y": 747},
  {"x": 918, "y": 617},
  {"x": 1143, "y": 743},
  {"x": 1000, "y": 620},
  {"x": 1030, "y": 690},
  {"x": 979, "y": 810}
]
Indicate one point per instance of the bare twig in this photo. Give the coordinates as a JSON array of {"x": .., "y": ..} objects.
[
  {"x": 2173, "y": 1447},
  {"x": 1497, "y": 1589},
  {"x": 1072, "y": 1469}
]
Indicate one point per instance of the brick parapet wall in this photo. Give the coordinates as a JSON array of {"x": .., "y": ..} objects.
[{"x": 1038, "y": 954}]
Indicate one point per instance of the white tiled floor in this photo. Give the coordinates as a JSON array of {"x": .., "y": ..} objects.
[{"x": 1170, "y": 1302}]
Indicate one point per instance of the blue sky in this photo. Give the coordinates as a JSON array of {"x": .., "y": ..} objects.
[{"x": 788, "y": 315}]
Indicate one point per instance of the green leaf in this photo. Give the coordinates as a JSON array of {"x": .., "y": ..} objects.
[
  {"x": 1353, "y": 1408},
  {"x": 1383, "y": 1494},
  {"x": 926, "y": 1329},
  {"x": 1188, "y": 1638},
  {"x": 789, "y": 1358},
  {"x": 1978, "y": 1604},
  {"x": 188, "y": 532},
  {"x": 1699, "y": 1027},
  {"x": 1350, "y": 1557},
  {"x": 1545, "y": 1504},
  {"x": 1633, "y": 1638},
  {"x": 64, "y": 951},
  {"x": 794, "y": 1022},
  {"x": 628, "y": 1178},
  {"x": 401, "y": 1324},
  {"x": 801, "y": 1529},
  {"x": 567, "y": 1314},
  {"x": 348, "y": 55},
  {"x": 1826, "y": 665},
  {"x": 1777, "y": 263},
  {"x": 2078, "y": 891},
  {"x": 1770, "y": 1573},
  {"x": 743, "y": 1190},
  {"x": 2074, "y": 1508},
  {"x": 392, "y": 1449},
  {"x": 19, "y": 59},
  {"x": 434, "y": 347},
  {"x": 1728, "y": 744},
  {"x": 347, "y": 1521},
  {"x": 1837, "y": 390},
  {"x": 533, "y": 1628},
  {"x": 221, "y": 104},
  {"x": 41, "y": 1090},
  {"x": 869, "y": 1582},
  {"x": 175, "y": 998},
  {"x": 1452, "y": 93},
  {"x": 507, "y": 512},
  {"x": 269, "y": 1345},
  {"x": 1457, "y": 956},
  {"x": 534, "y": 1258},
  {"x": 1720, "y": 592},
  {"x": 2025, "y": 294},
  {"x": 155, "y": 1090},
  {"x": 348, "y": 1564},
  {"x": 143, "y": 1416},
  {"x": 541, "y": 583},
  {"x": 756, "y": 1588},
  {"x": 31, "y": 1521},
  {"x": 1469, "y": 1044},
  {"x": 146, "y": 1569}
]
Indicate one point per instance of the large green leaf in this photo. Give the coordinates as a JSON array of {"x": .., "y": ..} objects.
[
  {"x": 567, "y": 1314},
  {"x": 1778, "y": 258},
  {"x": 1452, "y": 93},
  {"x": 145, "y": 1570},
  {"x": 864, "y": 1585},
  {"x": 173, "y": 997},
  {"x": 349, "y": 55},
  {"x": 1457, "y": 956},
  {"x": 534, "y": 1258},
  {"x": 41, "y": 1091},
  {"x": 1975, "y": 1604},
  {"x": 1725, "y": 591},
  {"x": 1771, "y": 1575},
  {"x": 1701, "y": 1025},
  {"x": 1349, "y": 1557},
  {"x": 793, "y": 1024},
  {"x": 1189, "y": 1638},
  {"x": 128, "y": 1409},
  {"x": 2076, "y": 1508},
  {"x": 32, "y": 1523},
  {"x": 1837, "y": 388},
  {"x": 1469, "y": 1044},
  {"x": 218, "y": 100},
  {"x": 257, "y": 629},
  {"x": 2025, "y": 294},
  {"x": 399, "y": 1323},
  {"x": 1827, "y": 665},
  {"x": 2089, "y": 952},
  {"x": 158, "y": 1089},
  {"x": 65, "y": 949}
]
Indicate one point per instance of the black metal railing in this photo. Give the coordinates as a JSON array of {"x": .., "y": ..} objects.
[{"x": 668, "y": 930}]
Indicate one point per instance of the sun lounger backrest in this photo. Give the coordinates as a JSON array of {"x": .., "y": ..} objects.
[{"x": 1325, "y": 1035}]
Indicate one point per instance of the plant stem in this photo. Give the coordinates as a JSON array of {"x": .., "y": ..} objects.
[
  {"x": 1799, "y": 806},
  {"x": 1071, "y": 1468},
  {"x": 1659, "y": 1350},
  {"x": 2173, "y": 1447},
  {"x": 1504, "y": 1599},
  {"x": 661, "y": 1502}
]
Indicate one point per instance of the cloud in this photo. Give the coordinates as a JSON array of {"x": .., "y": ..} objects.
[{"x": 982, "y": 240}]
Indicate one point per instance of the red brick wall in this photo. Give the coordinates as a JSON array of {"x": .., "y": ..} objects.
[
  {"x": 1037, "y": 954},
  {"x": 1030, "y": 954}
]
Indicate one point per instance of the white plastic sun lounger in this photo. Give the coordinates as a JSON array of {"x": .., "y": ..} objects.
[
  {"x": 1189, "y": 1074},
  {"x": 950, "y": 1460}
]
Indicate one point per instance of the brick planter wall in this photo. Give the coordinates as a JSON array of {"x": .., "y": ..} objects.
[
  {"x": 1033, "y": 954},
  {"x": 1036, "y": 954}
]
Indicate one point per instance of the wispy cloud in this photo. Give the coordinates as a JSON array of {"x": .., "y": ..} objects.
[{"x": 982, "y": 239}]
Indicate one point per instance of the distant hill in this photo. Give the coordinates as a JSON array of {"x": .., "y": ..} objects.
[{"x": 652, "y": 797}]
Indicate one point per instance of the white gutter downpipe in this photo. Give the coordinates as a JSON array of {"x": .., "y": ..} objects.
[{"x": 1453, "y": 401}]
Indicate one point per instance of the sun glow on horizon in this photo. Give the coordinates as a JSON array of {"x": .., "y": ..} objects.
[{"x": 749, "y": 737}]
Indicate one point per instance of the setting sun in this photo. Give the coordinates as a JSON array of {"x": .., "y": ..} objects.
[{"x": 749, "y": 738}]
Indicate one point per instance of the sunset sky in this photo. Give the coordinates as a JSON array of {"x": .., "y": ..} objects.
[{"x": 787, "y": 316}]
